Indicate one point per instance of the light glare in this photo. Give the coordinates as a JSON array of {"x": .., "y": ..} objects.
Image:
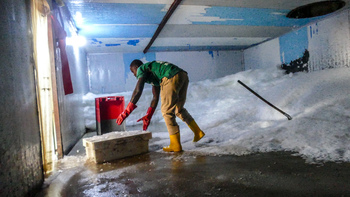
[
  {"x": 76, "y": 41},
  {"x": 79, "y": 18}
]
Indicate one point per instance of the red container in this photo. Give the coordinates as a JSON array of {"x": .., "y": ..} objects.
[{"x": 107, "y": 111}]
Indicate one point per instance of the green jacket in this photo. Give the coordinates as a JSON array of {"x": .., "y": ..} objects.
[{"x": 155, "y": 71}]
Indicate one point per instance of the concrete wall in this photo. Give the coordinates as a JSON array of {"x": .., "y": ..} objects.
[
  {"x": 20, "y": 149},
  {"x": 110, "y": 73},
  {"x": 328, "y": 42}
]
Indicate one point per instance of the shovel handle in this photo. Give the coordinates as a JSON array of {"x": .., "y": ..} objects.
[{"x": 267, "y": 102}]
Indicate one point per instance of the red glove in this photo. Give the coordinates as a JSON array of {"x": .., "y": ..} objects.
[
  {"x": 147, "y": 118},
  {"x": 131, "y": 106}
]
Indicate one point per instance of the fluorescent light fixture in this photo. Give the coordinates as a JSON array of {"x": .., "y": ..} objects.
[{"x": 78, "y": 41}]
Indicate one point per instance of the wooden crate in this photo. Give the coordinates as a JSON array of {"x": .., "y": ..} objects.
[{"x": 116, "y": 145}]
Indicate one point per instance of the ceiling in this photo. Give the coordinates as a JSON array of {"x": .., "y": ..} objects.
[{"x": 129, "y": 25}]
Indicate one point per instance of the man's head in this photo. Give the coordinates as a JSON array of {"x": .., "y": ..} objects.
[{"x": 135, "y": 65}]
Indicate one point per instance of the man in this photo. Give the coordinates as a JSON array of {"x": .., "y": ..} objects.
[{"x": 170, "y": 82}]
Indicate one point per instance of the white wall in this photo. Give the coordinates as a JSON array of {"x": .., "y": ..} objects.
[
  {"x": 328, "y": 42},
  {"x": 259, "y": 57},
  {"x": 109, "y": 73},
  {"x": 205, "y": 65},
  {"x": 71, "y": 106},
  {"x": 106, "y": 72}
]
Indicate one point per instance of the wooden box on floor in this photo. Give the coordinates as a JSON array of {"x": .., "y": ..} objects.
[{"x": 116, "y": 145}]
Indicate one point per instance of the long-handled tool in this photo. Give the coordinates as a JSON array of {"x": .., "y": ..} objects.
[{"x": 256, "y": 94}]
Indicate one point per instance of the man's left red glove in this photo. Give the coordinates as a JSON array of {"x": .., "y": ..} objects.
[
  {"x": 131, "y": 106},
  {"x": 147, "y": 118}
]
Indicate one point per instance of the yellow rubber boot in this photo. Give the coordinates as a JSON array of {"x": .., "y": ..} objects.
[
  {"x": 175, "y": 144},
  {"x": 198, "y": 133}
]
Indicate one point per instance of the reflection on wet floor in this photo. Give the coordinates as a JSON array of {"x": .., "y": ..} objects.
[{"x": 188, "y": 174}]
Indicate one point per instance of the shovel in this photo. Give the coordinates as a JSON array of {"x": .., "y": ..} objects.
[{"x": 256, "y": 94}]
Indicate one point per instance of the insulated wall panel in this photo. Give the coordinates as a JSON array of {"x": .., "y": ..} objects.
[
  {"x": 110, "y": 73},
  {"x": 328, "y": 42}
]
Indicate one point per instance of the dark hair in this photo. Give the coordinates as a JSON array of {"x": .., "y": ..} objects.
[{"x": 136, "y": 63}]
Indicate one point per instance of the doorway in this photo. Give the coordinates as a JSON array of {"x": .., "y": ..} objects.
[{"x": 46, "y": 84}]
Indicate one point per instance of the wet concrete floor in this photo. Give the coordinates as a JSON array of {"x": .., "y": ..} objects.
[
  {"x": 188, "y": 174},
  {"x": 185, "y": 174}
]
